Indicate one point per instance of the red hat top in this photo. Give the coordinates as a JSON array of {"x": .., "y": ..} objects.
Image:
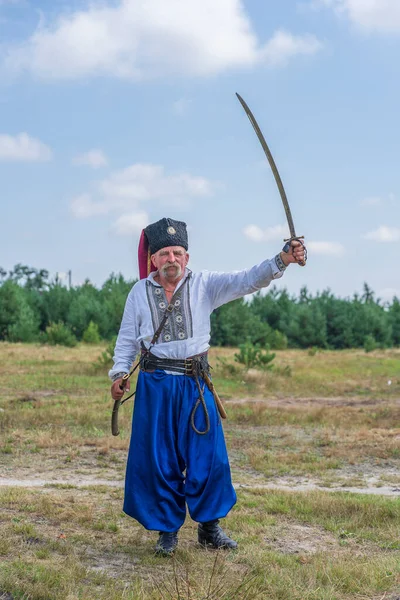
[{"x": 145, "y": 264}]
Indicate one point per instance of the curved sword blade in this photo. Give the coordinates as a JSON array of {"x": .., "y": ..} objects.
[{"x": 272, "y": 165}]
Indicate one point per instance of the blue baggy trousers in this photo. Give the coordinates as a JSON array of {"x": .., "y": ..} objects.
[{"x": 169, "y": 464}]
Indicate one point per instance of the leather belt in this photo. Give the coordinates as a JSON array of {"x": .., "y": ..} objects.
[{"x": 192, "y": 366}]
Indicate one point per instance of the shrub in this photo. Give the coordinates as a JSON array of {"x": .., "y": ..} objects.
[
  {"x": 59, "y": 334},
  {"x": 276, "y": 340},
  {"x": 105, "y": 360},
  {"x": 253, "y": 356},
  {"x": 370, "y": 343},
  {"x": 91, "y": 334}
]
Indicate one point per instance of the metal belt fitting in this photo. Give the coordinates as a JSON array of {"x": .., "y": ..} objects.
[{"x": 188, "y": 366}]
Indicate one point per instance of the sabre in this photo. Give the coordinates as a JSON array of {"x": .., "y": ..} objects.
[
  {"x": 117, "y": 404},
  {"x": 278, "y": 180}
]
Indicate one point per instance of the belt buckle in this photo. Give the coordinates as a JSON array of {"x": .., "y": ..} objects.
[{"x": 188, "y": 367}]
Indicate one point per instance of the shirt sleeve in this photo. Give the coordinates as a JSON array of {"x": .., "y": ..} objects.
[
  {"x": 127, "y": 345},
  {"x": 225, "y": 287}
]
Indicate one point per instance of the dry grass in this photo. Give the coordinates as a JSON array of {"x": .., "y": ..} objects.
[
  {"x": 76, "y": 543},
  {"x": 334, "y": 421}
]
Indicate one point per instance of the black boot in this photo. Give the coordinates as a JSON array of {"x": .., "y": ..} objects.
[
  {"x": 213, "y": 535},
  {"x": 167, "y": 543}
]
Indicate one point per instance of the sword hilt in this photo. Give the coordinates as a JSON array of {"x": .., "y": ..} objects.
[
  {"x": 124, "y": 381},
  {"x": 288, "y": 245}
]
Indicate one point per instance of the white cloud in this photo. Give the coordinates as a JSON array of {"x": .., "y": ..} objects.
[
  {"x": 131, "y": 223},
  {"x": 370, "y": 15},
  {"x": 384, "y": 234},
  {"x": 283, "y": 46},
  {"x": 280, "y": 233},
  {"x": 256, "y": 234},
  {"x": 83, "y": 206},
  {"x": 125, "y": 190},
  {"x": 146, "y": 182},
  {"x": 22, "y": 147},
  {"x": 139, "y": 40},
  {"x": 326, "y": 248},
  {"x": 94, "y": 158}
]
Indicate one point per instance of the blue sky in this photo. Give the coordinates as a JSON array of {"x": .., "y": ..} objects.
[{"x": 117, "y": 113}]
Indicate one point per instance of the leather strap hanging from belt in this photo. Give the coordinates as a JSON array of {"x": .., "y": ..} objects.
[{"x": 196, "y": 367}]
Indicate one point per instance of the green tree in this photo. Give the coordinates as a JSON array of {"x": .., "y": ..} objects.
[
  {"x": 308, "y": 326},
  {"x": 394, "y": 320},
  {"x": 86, "y": 306},
  {"x": 29, "y": 277},
  {"x": 55, "y": 304},
  {"x": 113, "y": 295},
  {"x": 18, "y": 321},
  {"x": 234, "y": 322}
]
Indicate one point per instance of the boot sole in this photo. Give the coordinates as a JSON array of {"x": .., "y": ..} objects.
[{"x": 206, "y": 544}]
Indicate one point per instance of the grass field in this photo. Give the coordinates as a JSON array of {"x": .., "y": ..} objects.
[{"x": 315, "y": 455}]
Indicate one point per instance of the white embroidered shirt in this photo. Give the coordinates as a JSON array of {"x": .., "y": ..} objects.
[{"x": 187, "y": 330}]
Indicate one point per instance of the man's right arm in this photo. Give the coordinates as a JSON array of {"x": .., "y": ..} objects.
[{"x": 126, "y": 347}]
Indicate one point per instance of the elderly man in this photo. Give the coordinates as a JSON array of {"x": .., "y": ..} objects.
[{"x": 177, "y": 453}]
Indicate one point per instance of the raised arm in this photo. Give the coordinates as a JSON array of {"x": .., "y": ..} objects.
[{"x": 224, "y": 287}]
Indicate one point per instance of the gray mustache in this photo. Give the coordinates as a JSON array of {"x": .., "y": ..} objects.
[{"x": 167, "y": 265}]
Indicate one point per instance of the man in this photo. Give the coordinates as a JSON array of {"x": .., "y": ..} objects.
[{"x": 177, "y": 453}]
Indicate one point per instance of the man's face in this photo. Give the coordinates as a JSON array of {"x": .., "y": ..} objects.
[{"x": 170, "y": 262}]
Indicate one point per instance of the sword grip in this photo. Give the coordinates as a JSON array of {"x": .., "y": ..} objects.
[
  {"x": 124, "y": 381},
  {"x": 288, "y": 245}
]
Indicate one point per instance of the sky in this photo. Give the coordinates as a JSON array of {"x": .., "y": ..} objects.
[{"x": 116, "y": 113}]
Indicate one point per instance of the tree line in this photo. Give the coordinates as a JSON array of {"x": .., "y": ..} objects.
[{"x": 35, "y": 308}]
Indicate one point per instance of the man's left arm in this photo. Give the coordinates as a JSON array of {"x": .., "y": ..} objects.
[{"x": 225, "y": 287}]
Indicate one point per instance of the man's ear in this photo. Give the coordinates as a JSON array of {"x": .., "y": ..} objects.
[
  {"x": 152, "y": 258},
  {"x": 187, "y": 258}
]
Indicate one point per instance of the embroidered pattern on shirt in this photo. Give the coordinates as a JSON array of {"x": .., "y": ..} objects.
[
  {"x": 179, "y": 325},
  {"x": 279, "y": 262}
]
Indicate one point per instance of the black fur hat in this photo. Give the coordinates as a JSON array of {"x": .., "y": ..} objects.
[{"x": 166, "y": 232}]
